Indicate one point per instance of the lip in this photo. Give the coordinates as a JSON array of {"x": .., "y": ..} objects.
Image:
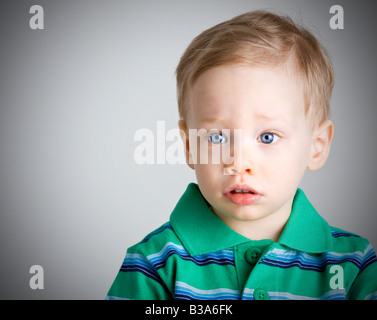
[{"x": 247, "y": 197}]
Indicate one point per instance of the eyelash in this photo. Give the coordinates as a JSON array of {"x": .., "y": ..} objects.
[
  {"x": 211, "y": 134},
  {"x": 275, "y": 133}
]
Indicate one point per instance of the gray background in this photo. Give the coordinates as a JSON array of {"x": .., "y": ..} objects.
[{"x": 72, "y": 199}]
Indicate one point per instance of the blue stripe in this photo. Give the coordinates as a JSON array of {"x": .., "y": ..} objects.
[
  {"x": 288, "y": 258},
  {"x": 221, "y": 257},
  {"x": 372, "y": 296},
  {"x": 165, "y": 226},
  {"x": 341, "y": 233},
  {"x": 145, "y": 271},
  {"x": 115, "y": 298},
  {"x": 370, "y": 258},
  {"x": 136, "y": 262}
]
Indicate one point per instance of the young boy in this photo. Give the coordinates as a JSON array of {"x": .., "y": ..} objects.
[{"x": 253, "y": 92}]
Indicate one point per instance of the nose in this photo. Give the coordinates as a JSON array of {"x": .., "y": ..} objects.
[
  {"x": 232, "y": 171},
  {"x": 241, "y": 160}
]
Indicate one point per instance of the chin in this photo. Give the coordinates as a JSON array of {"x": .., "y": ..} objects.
[
  {"x": 250, "y": 216},
  {"x": 245, "y": 213}
]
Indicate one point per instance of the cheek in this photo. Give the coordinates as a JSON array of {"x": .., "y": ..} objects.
[
  {"x": 207, "y": 173},
  {"x": 286, "y": 166},
  {"x": 207, "y": 180},
  {"x": 209, "y": 176}
]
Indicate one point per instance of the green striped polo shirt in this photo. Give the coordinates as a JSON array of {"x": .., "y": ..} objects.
[{"x": 197, "y": 256}]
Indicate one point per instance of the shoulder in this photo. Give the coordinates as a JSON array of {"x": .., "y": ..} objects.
[
  {"x": 358, "y": 254},
  {"x": 353, "y": 248},
  {"x": 156, "y": 241}
]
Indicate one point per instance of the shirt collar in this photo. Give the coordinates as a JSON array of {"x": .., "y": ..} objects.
[
  {"x": 306, "y": 230},
  {"x": 201, "y": 231}
]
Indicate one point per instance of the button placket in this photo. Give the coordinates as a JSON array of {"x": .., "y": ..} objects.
[{"x": 249, "y": 260}]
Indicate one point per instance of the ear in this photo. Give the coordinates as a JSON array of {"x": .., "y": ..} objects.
[
  {"x": 321, "y": 143},
  {"x": 183, "y": 131}
]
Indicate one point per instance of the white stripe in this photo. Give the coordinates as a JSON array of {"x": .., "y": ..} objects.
[
  {"x": 206, "y": 292},
  {"x": 372, "y": 296},
  {"x": 159, "y": 254}
]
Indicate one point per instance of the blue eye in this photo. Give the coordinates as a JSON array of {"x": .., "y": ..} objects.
[
  {"x": 269, "y": 137},
  {"x": 216, "y": 138}
]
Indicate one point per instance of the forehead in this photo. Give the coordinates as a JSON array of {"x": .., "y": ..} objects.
[{"x": 244, "y": 92}]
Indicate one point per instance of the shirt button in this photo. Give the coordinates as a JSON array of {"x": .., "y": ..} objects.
[
  {"x": 252, "y": 255},
  {"x": 260, "y": 294}
]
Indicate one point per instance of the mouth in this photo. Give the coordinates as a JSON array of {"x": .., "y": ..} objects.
[{"x": 242, "y": 195}]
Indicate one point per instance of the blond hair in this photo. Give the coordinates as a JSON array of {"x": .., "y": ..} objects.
[{"x": 260, "y": 38}]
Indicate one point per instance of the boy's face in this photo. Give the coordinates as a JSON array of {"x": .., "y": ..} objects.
[{"x": 258, "y": 179}]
